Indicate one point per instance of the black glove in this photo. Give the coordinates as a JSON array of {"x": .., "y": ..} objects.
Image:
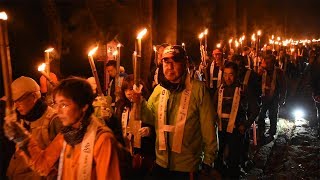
[
  {"x": 205, "y": 169},
  {"x": 207, "y": 172}
]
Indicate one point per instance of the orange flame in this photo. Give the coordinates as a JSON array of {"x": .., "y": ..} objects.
[
  {"x": 92, "y": 51},
  {"x": 42, "y": 67}
]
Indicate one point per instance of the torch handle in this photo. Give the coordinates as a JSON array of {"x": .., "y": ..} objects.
[
  {"x": 6, "y": 65},
  {"x": 136, "y": 80},
  {"x": 95, "y": 75}
]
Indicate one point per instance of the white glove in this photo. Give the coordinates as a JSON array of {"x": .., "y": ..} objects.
[
  {"x": 105, "y": 107},
  {"x": 15, "y": 131}
]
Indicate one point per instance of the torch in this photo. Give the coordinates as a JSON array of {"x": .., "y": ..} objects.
[
  {"x": 236, "y": 43},
  {"x": 230, "y": 41},
  {"x": 203, "y": 58},
  {"x": 155, "y": 55},
  {"x": 183, "y": 46},
  {"x": 138, "y": 41},
  {"x": 205, "y": 32},
  {"x": 94, "y": 70},
  {"x": 136, "y": 74},
  {"x": 42, "y": 69},
  {"x": 253, "y": 40},
  {"x": 200, "y": 38},
  {"x": 6, "y": 62},
  {"x": 118, "y": 65},
  {"x": 47, "y": 61},
  {"x": 258, "y": 40}
]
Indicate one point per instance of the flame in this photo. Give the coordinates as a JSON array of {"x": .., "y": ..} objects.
[
  {"x": 92, "y": 51},
  {"x": 205, "y": 32},
  {"x": 119, "y": 45},
  {"x": 259, "y": 32},
  {"x": 142, "y": 33},
  {"x": 272, "y": 37},
  {"x": 230, "y": 41},
  {"x": 3, "y": 15},
  {"x": 49, "y": 50},
  {"x": 154, "y": 48},
  {"x": 42, "y": 67},
  {"x": 278, "y": 38},
  {"x": 236, "y": 43},
  {"x": 218, "y": 45},
  {"x": 183, "y": 44},
  {"x": 201, "y": 35},
  {"x": 253, "y": 37},
  {"x": 115, "y": 53},
  {"x": 292, "y": 49}
]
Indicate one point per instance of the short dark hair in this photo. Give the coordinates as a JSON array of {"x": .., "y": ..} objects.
[
  {"x": 78, "y": 90},
  {"x": 128, "y": 83},
  {"x": 270, "y": 57},
  {"x": 233, "y": 66},
  {"x": 246, "y": 48},
  {"x": 112, "y": 63}
]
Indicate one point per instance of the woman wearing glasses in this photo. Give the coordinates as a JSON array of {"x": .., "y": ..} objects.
[{"x": 86, "y": 148}]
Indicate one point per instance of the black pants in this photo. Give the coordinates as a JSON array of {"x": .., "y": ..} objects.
[
  {"x": 160, "y": 173},
  {"x": 231, "y": 150},
  {"x": 272, "y": 107}
]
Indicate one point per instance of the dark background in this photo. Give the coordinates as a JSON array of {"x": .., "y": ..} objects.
[{"x": 72, "y": 27}]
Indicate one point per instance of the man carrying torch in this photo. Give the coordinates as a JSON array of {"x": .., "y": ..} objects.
[
  {"x": 31, "y": 111},
  {"x": 181, "y": 111}
]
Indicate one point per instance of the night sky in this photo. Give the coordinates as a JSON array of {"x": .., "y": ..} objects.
[{"x": 29, "y": 32}]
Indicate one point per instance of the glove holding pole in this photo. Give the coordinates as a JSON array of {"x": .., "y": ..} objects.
[{"x": 15, "y": 131}]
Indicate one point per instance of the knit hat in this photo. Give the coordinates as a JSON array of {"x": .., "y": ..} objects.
[
  {"x": 23, "y": 85},
  {"x": 176, "y": 52}
]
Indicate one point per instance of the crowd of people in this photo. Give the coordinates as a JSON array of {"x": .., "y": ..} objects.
[{"x": 192, "y": 122}]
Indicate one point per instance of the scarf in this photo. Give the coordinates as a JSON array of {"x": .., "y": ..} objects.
[
  {"x": 173, "y": 87},
  {"x": 75, "y": 136},
  {"x": 36, "y": 112}
]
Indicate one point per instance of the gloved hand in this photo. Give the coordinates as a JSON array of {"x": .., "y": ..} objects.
[
  {"x": 282, "y": 102},
  {"x": 144, "y": 131},
  {"x": 207, "y": 172},
  {"x": 105, "y": 106},
  {"x": 205, "y": 169},
  {"x": 15, "y": 131},
  {"x": 242, "y": 128}
]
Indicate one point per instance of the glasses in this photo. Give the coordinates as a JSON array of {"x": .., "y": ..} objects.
[
  {"x": 60, "y": 106},
  {"x": 22, "y": 98}
]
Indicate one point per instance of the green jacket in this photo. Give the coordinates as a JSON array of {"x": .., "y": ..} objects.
[{"x": 199, "y": 131}]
